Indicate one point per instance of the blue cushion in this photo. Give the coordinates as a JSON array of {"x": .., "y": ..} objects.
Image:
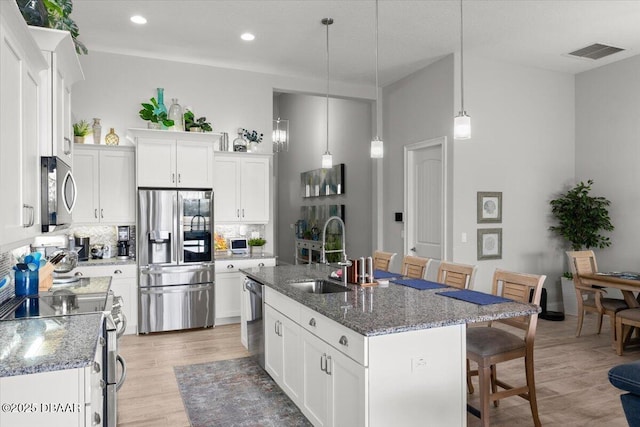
[{"x": 626, "y": 377}]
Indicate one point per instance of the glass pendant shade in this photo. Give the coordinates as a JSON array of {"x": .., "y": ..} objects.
[
  {"x": 377, "y": 148},
  {"x": 462, "y": 126},
  {"x": 327, "y": 160}
]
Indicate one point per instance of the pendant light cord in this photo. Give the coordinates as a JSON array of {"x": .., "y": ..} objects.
[
  {"x": 461, "y": 61},
  {"x": 329, "y": 21},
  {"x": 377, "y": 87}
]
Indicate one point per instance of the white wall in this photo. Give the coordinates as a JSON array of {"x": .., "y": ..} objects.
[
  {"x": 522, "y": 145},
  {"x": 607, "y": 151},
  {"x": 349, "y": 137},
  {"x": 416, "y": 108}
]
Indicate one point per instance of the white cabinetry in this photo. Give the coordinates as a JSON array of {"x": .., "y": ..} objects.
[
  {"x": 229, "y": 289},
  {"x": 124, "y": 283},
  {"x": 56, "y": 132},
  {"x": 174, "y": 159},
  {"x": 105, "y": 178},
  {"x": 241, "y": 187},
  {"x": 411, "y": 378},
  {"x": 20, "y": 64}
]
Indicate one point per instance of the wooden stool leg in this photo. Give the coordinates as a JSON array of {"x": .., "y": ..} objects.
[
  {"x": 484, "y": 376},
  {"x": 580, "y": 320},
  {"x": 599, "y": 323},
  {"x": 619, "y": 335},
  {"x": 469, "y": 383},
  {"x": 494, "y": 386},
  {"x": 531, "y": 384}
]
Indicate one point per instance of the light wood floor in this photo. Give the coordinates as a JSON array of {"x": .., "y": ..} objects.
[{"x": 571, "y": 376}]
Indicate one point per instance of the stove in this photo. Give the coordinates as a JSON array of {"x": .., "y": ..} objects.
[{"x": 54, "y": 304}]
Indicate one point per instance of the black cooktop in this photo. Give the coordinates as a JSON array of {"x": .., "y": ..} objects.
[{"x": 52, "y": 304}]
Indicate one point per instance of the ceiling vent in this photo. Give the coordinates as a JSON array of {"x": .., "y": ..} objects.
[{"x": 595, "y": 51}]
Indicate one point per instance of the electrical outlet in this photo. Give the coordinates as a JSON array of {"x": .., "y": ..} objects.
[
  {"x": 463, "y": 238},
  {"x": 419, "y": 364}
]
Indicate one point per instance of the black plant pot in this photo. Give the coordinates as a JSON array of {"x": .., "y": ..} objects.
[{"x": 34, "y": 12}]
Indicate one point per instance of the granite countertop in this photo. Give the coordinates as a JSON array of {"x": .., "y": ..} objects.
[
  {"x": 31, "y": 346},
  {"x": 106, "y": 261},
  {"x": 378, "y": 310},
  {"x": 86, "y": 285}
]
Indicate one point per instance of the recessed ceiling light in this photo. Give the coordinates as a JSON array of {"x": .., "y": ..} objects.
[
  {"x": 247, "y": 37},
  {"x": 137, "y": 19}
]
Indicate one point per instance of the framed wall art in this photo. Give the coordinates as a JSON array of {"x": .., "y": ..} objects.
[
  {"x": 489, "y": 207},
  {"x": 489, "y": 243},
  {"x": 323, "y": 182}
]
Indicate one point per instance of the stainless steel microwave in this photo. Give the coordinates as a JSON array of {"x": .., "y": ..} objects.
[{"x": 58, "y": 193}]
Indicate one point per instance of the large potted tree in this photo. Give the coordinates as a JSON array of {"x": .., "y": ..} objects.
[{"x": 581, "y": 220}]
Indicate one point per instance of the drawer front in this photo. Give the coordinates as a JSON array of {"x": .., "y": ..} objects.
[
  {"x": 340, "y": 337},
  {"x": 119, "y": 271},
  {"x": 233, "y": 265},
  {"x": 283, "y": 304}
]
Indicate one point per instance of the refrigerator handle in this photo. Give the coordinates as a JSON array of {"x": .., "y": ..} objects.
[
  {"x": 180, "y": 227},
  {"x": 176, "y": 237}
]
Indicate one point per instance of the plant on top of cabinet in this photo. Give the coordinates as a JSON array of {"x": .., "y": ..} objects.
[
  {"x": 80, "y": 131},
  {"x": 149, "y": 113},
  {"x": 257, "y": 241},
  {"x": 52, "y": 14},
  {"x": 252, "y": 136},
  {"x": 191, "y": 124}
]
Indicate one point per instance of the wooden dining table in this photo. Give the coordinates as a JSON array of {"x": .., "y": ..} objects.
[{"x": 628, "y": 283}]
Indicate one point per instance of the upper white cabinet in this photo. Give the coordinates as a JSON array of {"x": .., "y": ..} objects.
[
  {"x": 56, "y": 131},
  {"x": 106, "y": 183},
  {"x": 241, "y": 187},
  {"x": 174, "y": 159},
  {"x": 20, "y": 65}
]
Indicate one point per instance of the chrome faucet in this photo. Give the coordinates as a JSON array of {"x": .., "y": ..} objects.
[{"x": 344, "y": 261}]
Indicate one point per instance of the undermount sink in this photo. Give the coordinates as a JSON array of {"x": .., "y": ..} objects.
[{"x": 319, "y": 286}]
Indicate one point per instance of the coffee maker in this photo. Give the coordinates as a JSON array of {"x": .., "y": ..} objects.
[{"x": 124, "y": 236}]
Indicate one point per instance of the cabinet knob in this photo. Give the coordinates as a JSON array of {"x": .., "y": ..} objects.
[
  {"x": 312, "y": 322},
  {"x": 96, "y": 367},
  {"x": 229, "y": 266},
  {"x": 78, "y": 273},
  {"x": 261, "y": 264},
  {"x": 117, "y": 271},
  {"x": 344, "y": 341},
  {"x": 67, "y": 146},
  {"x": 96, "y": 419}
]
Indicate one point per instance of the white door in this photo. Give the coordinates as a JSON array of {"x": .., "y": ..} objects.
[
  {"x": 226, "y": 188},
  {"x": 315, "y": 395},
  {"x": 273, "y": 348},
  {"x": 117, "y": 186},
  {"x": 425, "y": 205},
  {"x": 349, "y": 391},
  {"x": 194, "y": 164},
  {"x": 292, "y": 359},
  {"x": 156, "y": 160},
  {"x": 86, "y": 171},
  {"x": 254, "y": 191}
]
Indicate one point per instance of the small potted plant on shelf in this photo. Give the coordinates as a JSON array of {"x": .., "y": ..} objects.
[
  {"x": 253, "y": 138},
  {"x": 581, "y": 220},
  {"x": 156, "y": 118},
  {"x": 191, "y": 124},
  {"x": 80, "y": 131},
  {"x": 256, "y": 242}
]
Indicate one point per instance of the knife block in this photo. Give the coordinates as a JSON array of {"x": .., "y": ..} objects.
[{"x": 45, "y": 277}]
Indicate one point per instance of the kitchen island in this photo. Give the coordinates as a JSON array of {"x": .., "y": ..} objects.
[{"x": 371, "y": 356}]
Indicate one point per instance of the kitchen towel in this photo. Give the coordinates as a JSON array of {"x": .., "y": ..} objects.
[
  {"x": 419, "y": 284},
  {"x": 381, "y": 274},
  {"x": 474, "y": 297}
]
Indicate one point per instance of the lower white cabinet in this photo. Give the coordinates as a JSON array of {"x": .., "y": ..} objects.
[
  {"x": 229, "y": 288},
  {"x": 66, "y": 398},
  {"x": 411, "y": 378},
  {"x": 123, "y": 283}
]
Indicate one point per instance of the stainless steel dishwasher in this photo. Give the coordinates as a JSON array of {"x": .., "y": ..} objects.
[{"x": 255, "y": 320}]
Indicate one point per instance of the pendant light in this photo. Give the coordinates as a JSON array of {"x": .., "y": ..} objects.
[
  {"x": 377, "y": 146},
  {"x": 327, "y": 159},
  {"x": 462, "y": 122}
]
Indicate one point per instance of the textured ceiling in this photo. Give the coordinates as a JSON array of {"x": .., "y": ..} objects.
[{"x": 290, "y": 40}]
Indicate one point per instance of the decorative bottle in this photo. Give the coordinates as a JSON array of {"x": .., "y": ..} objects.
[
  {"x": 161, "y": 107},
  {"x": 97, "y": 130},
  {"x": 240, "y": 144},
  {"x": 112, "y": 138},
  {"x": 175, "y": 114}
]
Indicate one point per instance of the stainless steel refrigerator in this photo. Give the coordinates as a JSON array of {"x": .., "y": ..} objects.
[{"x": 175, "y": 259}]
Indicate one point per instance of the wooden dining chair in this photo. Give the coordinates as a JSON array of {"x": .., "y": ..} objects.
[
  {"x": 591, "y": 298},
  {"x": 414, "y": 266},
  {"x": 382, "y": 260},
  {"x": 626, "y": 320},
  {"x": 457, "y": 275},
  {"x": 488, "y": 345}
]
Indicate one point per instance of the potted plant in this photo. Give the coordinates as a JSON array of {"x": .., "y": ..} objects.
[
  {"x": 157, "y": 119},
  {"x": 253, "y": 138},
  {"x": 191, "y": 124},
  {"x": 581, "y": 220},
  {"x": 80, "y": 131},
  {"x": 256, "y": 242}
]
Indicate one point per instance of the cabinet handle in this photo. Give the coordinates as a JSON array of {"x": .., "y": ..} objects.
[
  {"x": 33, "y": 216},
  {"x": 96, "y": 419},
  {"x": 96, "y": 367},
  {"x": 242, "y": 212},
  {"x": 95, "y": 212},
  {"x": 343, "y": 340},
  {"x": 173, "y": 178},
  {"x": 238, "y": 213},
  {"x": 101, "y": 341},
  {"x": 117, "y": 271},
  {"x": 179, "y": 177},
  {"x": 101, "y": 213},
  {"x": 229, "y": 266},
  {"x": 29, "y": 223},
  {"x": 279, "y": 328},
  {"x": 79, "y": 273},
  {"x": 275, "y": 327},
  {"x": 323, "y": 362},
  {"x": 328, "y": 368},
  {"x": 312, "y": 322},
  {"x": 67, "y": 146}
]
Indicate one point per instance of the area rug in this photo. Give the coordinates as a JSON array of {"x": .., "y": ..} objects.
[{"x": 235, "y": 392}]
